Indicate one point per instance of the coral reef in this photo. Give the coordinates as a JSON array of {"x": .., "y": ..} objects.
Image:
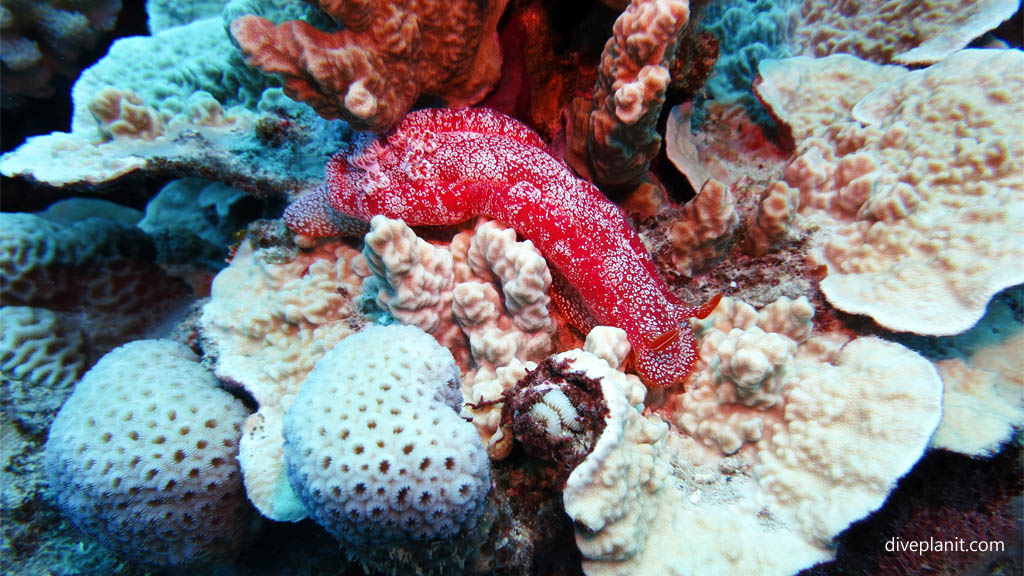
[
  {"x": 432, "y": 348},
  {"x": 484, "y": 298},
  {"x": 96, "y": 272},
  {"x": 748, "y": 31},
  {"x": 752, "y": 31},
  {"x": 700, "y": 232},
  {"x": 164, "y": 14},
  {"x": 39, "y": 351},
  {"x": 299, "y": 306},
  {"x": 827, "y": 451},
  {"x": 556, "y": 413},
  {"x": 912, "y": 189},
  {"x": 983, "y": 397},
  {"x": 181, "y": 102},
  {"x": 372, "y": 70},
  {"x": 875, "y": 31}
]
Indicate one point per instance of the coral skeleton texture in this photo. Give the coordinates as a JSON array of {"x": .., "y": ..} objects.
[{"x": 404, "y": 287}]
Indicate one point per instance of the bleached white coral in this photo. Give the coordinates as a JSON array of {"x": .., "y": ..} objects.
[
  {"x": 848, "y": 432},
  {"x": 377, "y": 418},
  {"x": 613, "y": 494},
  {"x": 269, "y": 319},
  {"x": 764, "y": 487}
]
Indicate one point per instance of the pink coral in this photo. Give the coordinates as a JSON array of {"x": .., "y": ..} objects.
[
  {"x": 441, "y": 167},
  {"x": 388, "y": 54},
  {"x": 621, "y": 135}
]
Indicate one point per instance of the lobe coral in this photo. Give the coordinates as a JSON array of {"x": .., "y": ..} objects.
[{"x": 445, "y": 166}]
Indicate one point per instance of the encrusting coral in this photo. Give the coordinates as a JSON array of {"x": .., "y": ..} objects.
[
  {"x": 182, "y": 101},
  {"x": 877, "y": 31},
  {"x": 830, "y": 428},
  {"x": 299, "y": 305},
  {"x": 983, "y": 394},
  {"x": 912, "y": 188},
  {"x": 386, "y": 55}
]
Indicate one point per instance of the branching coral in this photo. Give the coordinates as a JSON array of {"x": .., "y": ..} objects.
[
  {"x": 703, "y": 230},
  {"x": 618, "y": 128},
  {"x": 487, "y": 292},
  {"x": 301, "y": 304},
  {"x": 386, "y": 55}
]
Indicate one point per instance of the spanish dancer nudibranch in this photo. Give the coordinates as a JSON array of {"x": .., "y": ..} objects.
[{"x": 445, "y": 166}]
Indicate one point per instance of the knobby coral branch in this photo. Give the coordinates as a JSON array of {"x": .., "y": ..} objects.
[{"x": 371, "y": 72}]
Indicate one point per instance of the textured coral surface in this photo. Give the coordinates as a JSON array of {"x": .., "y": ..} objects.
[
  {"x": 460, "y": 346},
  {"x": 371, "y": 72}
]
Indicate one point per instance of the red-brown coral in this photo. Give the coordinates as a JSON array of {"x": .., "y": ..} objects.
[
  {"x": 371, "y": 72},
  {"x": 633, "y": 77}
]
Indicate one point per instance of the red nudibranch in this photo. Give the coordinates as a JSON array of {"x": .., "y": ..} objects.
[{"x": 446, "y": 166}]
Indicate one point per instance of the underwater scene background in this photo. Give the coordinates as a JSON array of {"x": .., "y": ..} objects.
[{"x": 512, "y": 287}]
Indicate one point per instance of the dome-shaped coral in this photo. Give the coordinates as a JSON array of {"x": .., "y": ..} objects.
[
  {"x": 143, "y": 456},
  {"x": 376, "y": 449}
]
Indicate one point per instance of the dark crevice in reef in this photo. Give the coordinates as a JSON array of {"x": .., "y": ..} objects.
[{"x": 947, "y": 496}]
